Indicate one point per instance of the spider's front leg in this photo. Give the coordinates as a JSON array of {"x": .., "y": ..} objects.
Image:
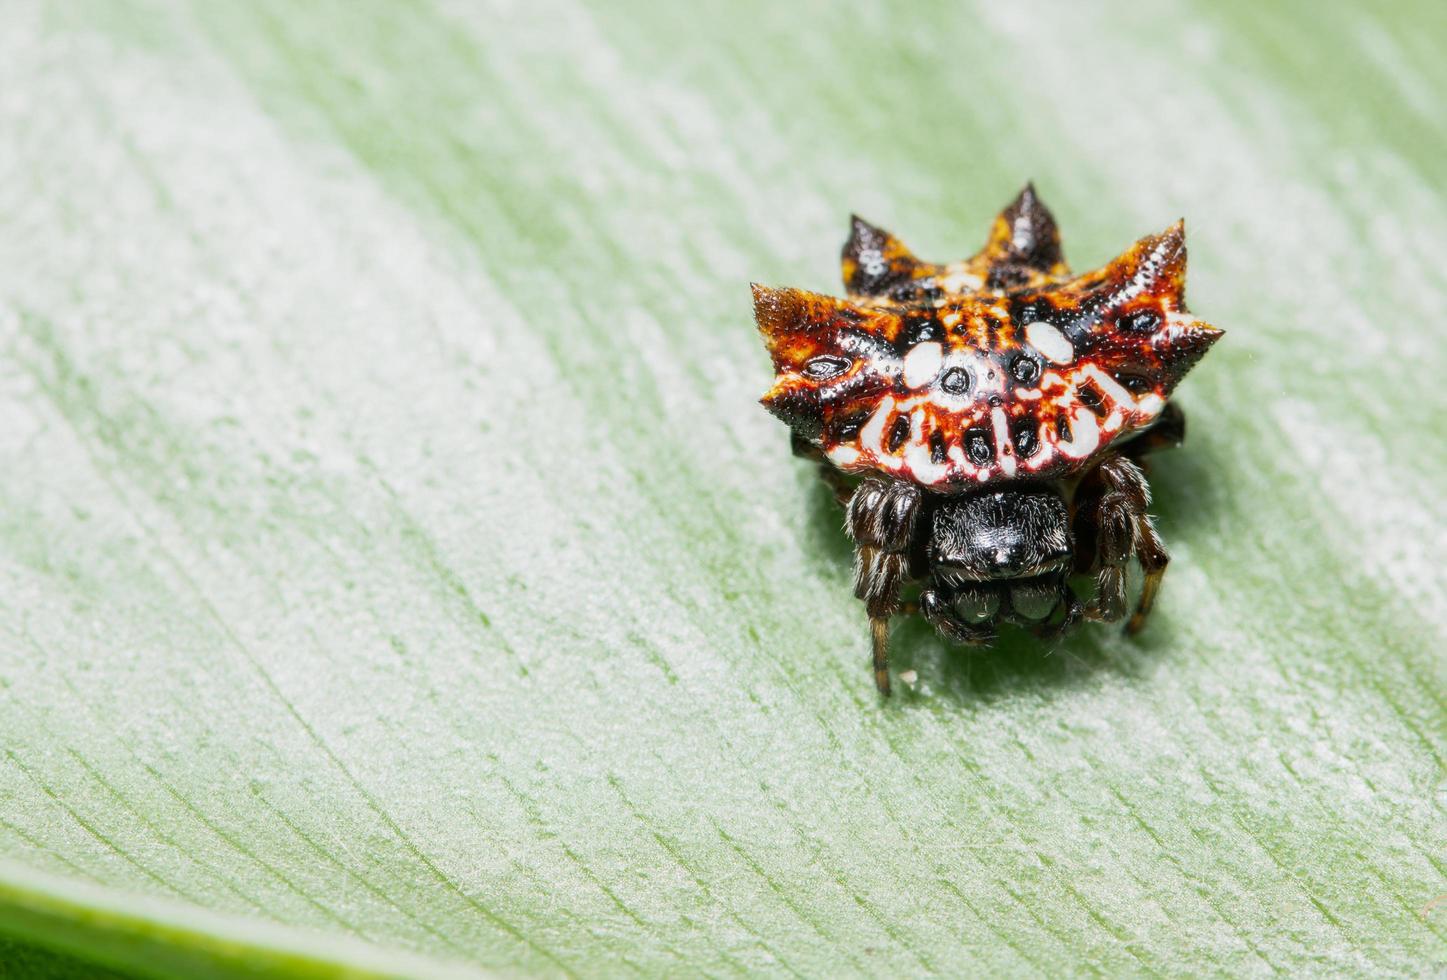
[
  {"x": 1124, "y": 529},
  {"x": 882, "y": 518}
]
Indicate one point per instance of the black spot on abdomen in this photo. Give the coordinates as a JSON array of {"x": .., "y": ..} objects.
[
  {"x": 937, "y": 447},
  {"x": 1141, "y": 321},
  {"x": 898, "y": 433},
  {"x": 1091, "y": 399},
  {"x": 978, "y": 446},
  {"x": 847, "y": 429},
  {"x": 1026, "y": 439}
]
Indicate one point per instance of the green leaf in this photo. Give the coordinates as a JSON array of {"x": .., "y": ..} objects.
[{"x": 392, "y": 551}]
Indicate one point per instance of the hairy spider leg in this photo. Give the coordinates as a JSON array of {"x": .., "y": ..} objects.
[
  {"x": 882, "y": 523},
  {"x": 1124, "y": 528}
]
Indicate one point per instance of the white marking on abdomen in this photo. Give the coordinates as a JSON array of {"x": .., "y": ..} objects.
[
  {"x": 1044, "y": 450},
  {"x": 1003, "y": 452},
  {"x": 1048, "y": 340},
  {"x": 1112, "y": 388},
  {"x": 959, "y": 282},
  {"x": 922, "y": 364},
  {"x": 1084, "y": 433},
  {"x": 922, "y": 466},
  {"x": 871, "y": 437}
]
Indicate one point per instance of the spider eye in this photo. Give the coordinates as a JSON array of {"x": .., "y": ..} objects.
[{"x": 825, "y": 367}]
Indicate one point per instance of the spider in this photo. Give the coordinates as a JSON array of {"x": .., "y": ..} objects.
[{"x": 985, "y": 422}]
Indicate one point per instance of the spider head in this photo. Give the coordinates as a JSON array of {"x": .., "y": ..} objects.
[
  {"x": 1002, "y": 553},
  {"x": 1002, "y": 534}
]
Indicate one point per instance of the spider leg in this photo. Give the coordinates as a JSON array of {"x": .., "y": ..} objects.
[
  {"x": 1153, "y": 559},
  {"x": 1125, "y": 528},
  {"x": 1115, "y": 541},
  {"x": 881, "y": 522},
  {"x": 879, "y": 646},
  {"x": 877, "y": 577}
]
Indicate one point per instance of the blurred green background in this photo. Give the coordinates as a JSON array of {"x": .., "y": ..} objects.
[{"x": 397, "y": 574}]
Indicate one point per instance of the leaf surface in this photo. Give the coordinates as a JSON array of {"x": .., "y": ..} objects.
[{"x": 392, "y": 550}]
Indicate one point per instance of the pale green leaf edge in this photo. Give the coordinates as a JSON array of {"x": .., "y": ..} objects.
[{"x": 157, "y": 937}]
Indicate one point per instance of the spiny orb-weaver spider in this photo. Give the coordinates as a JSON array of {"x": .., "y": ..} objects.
[{"x": 998, "y": 411}]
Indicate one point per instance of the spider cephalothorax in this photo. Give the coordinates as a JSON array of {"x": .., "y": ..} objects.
[{"x": 997, "y": 409}]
